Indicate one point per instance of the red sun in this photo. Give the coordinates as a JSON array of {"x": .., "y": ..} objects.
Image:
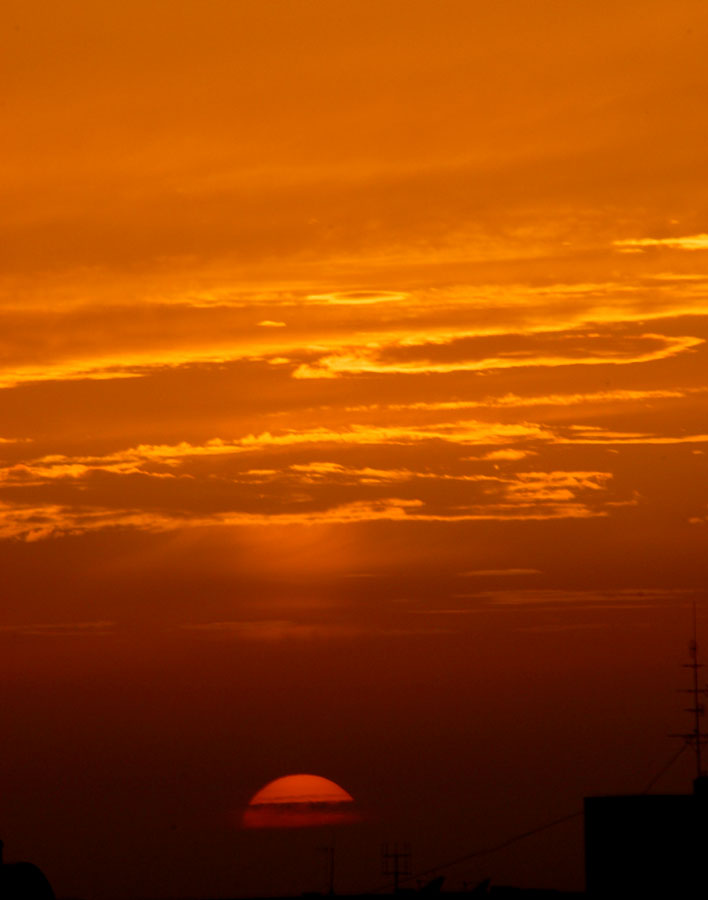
[{"x": 299, "y": 801}]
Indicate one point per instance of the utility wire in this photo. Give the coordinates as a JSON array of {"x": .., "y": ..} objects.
[
  {"x": 665, "y": 768},
  {"x": 487, "y": 851}
]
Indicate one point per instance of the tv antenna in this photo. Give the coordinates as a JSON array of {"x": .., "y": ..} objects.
[
  {"x": 696, "y": 738},
  {"x": 396, "y": 863}
]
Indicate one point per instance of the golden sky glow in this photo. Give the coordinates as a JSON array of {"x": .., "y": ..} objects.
[{"x": 355, "y": 338}]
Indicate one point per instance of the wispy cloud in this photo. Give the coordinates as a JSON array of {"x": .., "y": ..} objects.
[
  {"x": 515, "y": 401},
  {"x": 269, "y": 630},
  {"x": 519, "y": 501},
  {"x": 500, "y": 572},
  {"x": 558, "y": 598},
  {"x": 61, "y": 629},
  {"x": 590, "y": 323},
  {"x": 273, "y": 630},
  {"x": 688, "y": 242},
  {"x": 510, "y": 455},
  {"x": 336, "y": 472},
  {"x": 131, "y": 460},
  {"x": 359, "y": 298},
  {"x": 382, "y": 359},
  {"x": 597, "y": 435}
]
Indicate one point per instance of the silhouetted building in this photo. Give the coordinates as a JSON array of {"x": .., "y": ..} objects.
[
  {"x": 23, "y": 881},
  {"x": 502, "y": 892},
  {"x": 647, "y": 845}
]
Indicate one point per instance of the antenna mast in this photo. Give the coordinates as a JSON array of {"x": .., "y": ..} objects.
[
  {"x": 695, "y": 738},
  {"x": 396, "y": 862}
]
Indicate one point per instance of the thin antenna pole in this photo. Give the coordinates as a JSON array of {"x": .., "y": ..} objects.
[
  {"x": 329, "y": 866},
  {"x": 330, "y": 886},
  {"x": 697, "y": 706},
  {"x": 695, "y": 738},
  {"x": 332, "y": 850}
]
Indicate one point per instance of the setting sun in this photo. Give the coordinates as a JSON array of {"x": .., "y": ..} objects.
[{"x": 298, "y": 801}]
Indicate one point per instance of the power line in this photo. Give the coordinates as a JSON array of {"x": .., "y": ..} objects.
[
  {"x": 496, "y": 848},
  {"x": 665, "y": 768},
  {"x": 486, "y": 851},
  {"x": 695, "y": 739}
]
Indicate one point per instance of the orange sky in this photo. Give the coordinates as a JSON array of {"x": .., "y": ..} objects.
[{"x": 352, "y": 421}]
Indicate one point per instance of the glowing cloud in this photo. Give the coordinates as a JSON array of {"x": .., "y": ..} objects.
[
  {"x": 358, "y": 298},
  {"x": 387, "y": 359},
  {"x": 690, "y": 242}
]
